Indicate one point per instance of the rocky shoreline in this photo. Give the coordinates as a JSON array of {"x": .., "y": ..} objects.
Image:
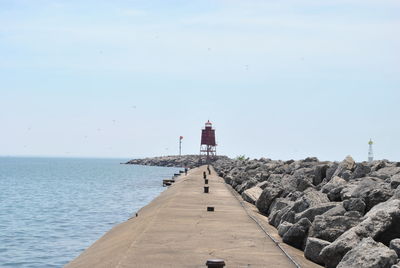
[
  {"x": 341, "y": 214},
  {"x": 182, "y": 161}
]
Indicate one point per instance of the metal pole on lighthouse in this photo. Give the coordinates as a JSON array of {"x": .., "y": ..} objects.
[{"x": 180, "y": 145}]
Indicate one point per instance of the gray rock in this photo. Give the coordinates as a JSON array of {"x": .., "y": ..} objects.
[
  {"x": 372, "y": 190},
  {"x": 395, "y": 181},
  {"x": 333, "y": 188},
  {"x": 277, "y": 205},
  {"x": 311, "y": 212},
  {"x": 246, "y": 185},
  {"x": 310, "y": 198},
  {"x": 283, "y": 228},
  {"x": 313, "y": 249},
  {"x": 353, "y": 214},
  {"x": 386, "y": 172},
  {"x": 297, "y": 234},
  {"x": 281, "y": 212},
  {"x": 251, "y": 195},
  {"x": 319, "y": 174},
  {"x": 262, "y": 184},
  {"x": 338, "y": 210},
  {"x": 330, "y": 171},
  {"x": 333, "y": 183},
  {"x": 369, "y": 254},
  {"x": 266, "y": 198},
  {"x": 396, "y": 193},
  {"x": 304, "y": 178},
  {"x": 380, "y": 223},
  {"x": 346, "y": 166},
  {"x": 329, "y": 228},
  {"x": 395, "y": 245},
  {"x": 354, "y": 204},
  {"x": 361, "y": 170},
  {"x": 377, "y": 165}
]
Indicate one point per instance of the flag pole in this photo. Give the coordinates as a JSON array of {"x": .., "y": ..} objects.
[{"x": 180, "y": 146}]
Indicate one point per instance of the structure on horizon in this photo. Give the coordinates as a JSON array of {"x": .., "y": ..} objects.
[
  {"x": 370, "y": 151},
  {"x": 208, "y": 146}
]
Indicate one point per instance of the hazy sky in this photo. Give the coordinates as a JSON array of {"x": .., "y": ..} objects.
[{"x": 281, "y": 79}]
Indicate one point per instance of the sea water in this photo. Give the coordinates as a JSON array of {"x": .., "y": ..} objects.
[{"x": 51, "y": 209}]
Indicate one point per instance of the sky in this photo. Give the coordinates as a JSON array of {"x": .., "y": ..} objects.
[{"x": 278, "y": 79}]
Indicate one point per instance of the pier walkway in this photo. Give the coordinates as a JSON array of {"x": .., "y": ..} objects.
[{"x": 176, "y": 230}]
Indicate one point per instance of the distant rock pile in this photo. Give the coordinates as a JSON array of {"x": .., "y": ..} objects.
[
  {"x": 343, "y": 214},
  {"x": 189, "y": 161}
]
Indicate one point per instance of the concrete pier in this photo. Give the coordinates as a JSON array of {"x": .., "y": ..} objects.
[{"x": 176, "y": 230}]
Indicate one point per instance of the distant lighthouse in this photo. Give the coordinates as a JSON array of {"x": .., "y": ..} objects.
[
  {"x": 208, "y": 145},
  {"x": 370, "y": 151}
]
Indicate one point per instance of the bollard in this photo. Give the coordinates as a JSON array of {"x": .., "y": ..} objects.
[
  {"x": 215, "y": 263},
  {"x": 204, "y": 175},
  {"x": 210, "y": 208},
  {"x": 206, "y": 181},
  {"x": 206, "y": 189}
]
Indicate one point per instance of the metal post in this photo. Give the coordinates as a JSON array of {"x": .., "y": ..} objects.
[
  {"x": 180, "y": 145},
  {"x": 215, "y": 263}
]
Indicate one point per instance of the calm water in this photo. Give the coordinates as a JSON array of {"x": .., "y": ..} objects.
[{"x": 51, "y": 209}]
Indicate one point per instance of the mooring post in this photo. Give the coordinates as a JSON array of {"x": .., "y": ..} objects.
[
  {"x": 206, "y": 189},
  {"x": 215, "y": 263}
]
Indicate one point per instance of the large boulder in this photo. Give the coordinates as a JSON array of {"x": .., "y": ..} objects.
[
  {"x": 345, "y": 168},
  {"x": 331, "y": 170},
  {"x": 380, "y": 223},
  {"x": 319, "y": 174},
  {"x": 297, "y": 234},
  {"x": 329, "y": 228},
  {"x": 369, "y": 254},
  {"x": 246, "y": 185},
  {"x": 311, "y": 212},
  {"x": 251, "y": 195},
  {"x": 304, "y": 178},
  {"x": 333, "y": 188},
  {"x": 395, "y": 245},
  {"x": 266, "y": 198},
  {"x": 284, "y": 227},
  {"x": 313, "y": 249},
  {"x": 354, "y": 204},
  {"x": 386, "y": 172},
  {"x": 310, "y": 198},
  {"x": 361, "y": 170},
  {"x": 338, "y": 210},
  {"x": 279, "y": 209},
  {"x": 371, "y": 190},
  {"x": 395, "y": 181}
]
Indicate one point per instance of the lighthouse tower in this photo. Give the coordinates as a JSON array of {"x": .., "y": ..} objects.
[
  {"x": 208, "y": 146},
  {"x": 370, "y": 151}
]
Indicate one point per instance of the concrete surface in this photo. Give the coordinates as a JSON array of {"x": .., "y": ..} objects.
[{"x": 175, "y": 230}]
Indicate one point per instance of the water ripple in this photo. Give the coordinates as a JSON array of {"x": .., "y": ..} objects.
[{"x": 52, "y": 209}]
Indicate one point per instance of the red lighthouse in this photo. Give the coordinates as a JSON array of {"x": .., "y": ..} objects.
[{"x": 208, "y": 146}]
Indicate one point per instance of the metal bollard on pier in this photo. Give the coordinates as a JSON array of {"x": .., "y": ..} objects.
[{"x": 215, "y": 263}]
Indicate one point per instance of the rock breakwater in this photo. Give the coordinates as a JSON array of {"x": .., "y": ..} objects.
[
  {"x": 342, "y": 214},
  {"x": 189, "y": 161}
]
